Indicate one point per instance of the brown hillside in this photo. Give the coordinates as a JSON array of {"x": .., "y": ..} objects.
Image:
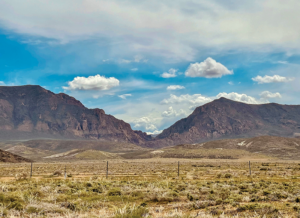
[{"x": 6, "y": 156}]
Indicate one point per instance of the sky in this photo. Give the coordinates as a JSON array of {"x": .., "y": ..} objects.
[{"x": 151, "y": 63}]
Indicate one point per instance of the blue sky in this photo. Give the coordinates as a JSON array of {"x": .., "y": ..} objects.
[{"x": 151, "y": 63}]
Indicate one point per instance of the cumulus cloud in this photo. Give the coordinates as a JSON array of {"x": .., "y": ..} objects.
[
  {"x": 267, "y": 95},
  {"x": 173, "y": 113},
  {"x": 92, "y": 83},
  {"x": 271, "y": 79},
  {"x": 196, "y": 100},
  {"x": 124, "y": 96},
  {"x": 174, "y": 87},
  {"x": 144, "y": 122},
  {"x": 192, "y": 99},
  {"x": 208, "y": 69},
  {"x": 134, "y": 69},
  {"x": 240, "y": 97},
  {"x": 155, "y": 132},
  {"x": 171, "y": 73},
  {"x": 2, "y": 83}
]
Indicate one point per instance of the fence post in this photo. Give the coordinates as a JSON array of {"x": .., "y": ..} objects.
[
  {"x": 31, "y": 171},
  {"x": 65, "y": 171},
  {"x": 107, "y": 170},
  {"x": 250, "y": 168},
  {"x": 178, "y": 169}
]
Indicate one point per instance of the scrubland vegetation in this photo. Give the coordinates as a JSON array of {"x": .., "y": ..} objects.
[{"x": 151, "y": 188}]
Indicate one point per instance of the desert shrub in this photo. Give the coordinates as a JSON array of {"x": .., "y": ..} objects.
[
  {"x": 131, "y": 212},
  {"x": 21, "y": 176},
  {"x": 16, "y": 205},
  {"x": 173, "y": 194},
  {"x": 57, "y": 173},
  {"x": 227, "y": 175},
  {"x": 33, "y": 210},
  {"x": 114, "y": 192},
  {"x": 88, "y": 185},
  {"x": 250, "y": 207},
  {"x": 266, "y": 192},
  {"x": 297, "y": 199},
  {"x": 68, "y": 205},
  {"x": 296, "y": 208},
  {"x": 203, "y": 204},
  {"x": 97, "y": 189},
  {"x": 219, "y": 201},
  {"x": 137, "y": 193}
]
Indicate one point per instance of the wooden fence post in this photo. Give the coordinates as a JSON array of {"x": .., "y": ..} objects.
[
  {"x": 107, "y": 170},
  {"x": 65, "y": 171},
  {"x": 250, "y": 168},
  {"x": 178, "y": 169},
  {"x": 31, "y": 171}
]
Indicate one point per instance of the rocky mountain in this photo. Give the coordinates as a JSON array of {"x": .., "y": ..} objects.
[
  {"x": 225, "y": 118},
  {"x": 30, "y": 111},
  {"x": 8, "y": 157}
]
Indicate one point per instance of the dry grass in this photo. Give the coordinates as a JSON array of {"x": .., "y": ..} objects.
[{"x": 151, "y": 188}]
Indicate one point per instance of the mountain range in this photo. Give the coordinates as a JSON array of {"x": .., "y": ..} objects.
[{"x": 31, "y": 112}]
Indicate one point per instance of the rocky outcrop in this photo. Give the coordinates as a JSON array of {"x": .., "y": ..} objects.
[
  {"x": 34, "y": 112},
  {"x": 225, "y": 118}
]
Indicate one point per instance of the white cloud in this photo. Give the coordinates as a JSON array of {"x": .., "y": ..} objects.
[
  {"x": 136, "y": 59},
  {"x": 92, "y": 83},
  {"x": 174, "y": 87},
  {"x": 271, "y": 79},
  {"x": 2, "y": 83},
  {"x": 134, "y": 69},
  {"x": 208, "y": 69},
  {"x": 196, "y": 100},
  {"x": 267, "y": 95},
  {"x": 173, "y": 113},
  {"x": 191, "y": 99},
  {"x": 230, "y": 83},
  {"x": 124, "y": 96},
  {"x": 144, "y": 122},
  {"x": 127, "y": 27},
  {"x": 171, "y": 73},
  {"x": 155, "y": 132},
  {"x": 241, "y": 98}
]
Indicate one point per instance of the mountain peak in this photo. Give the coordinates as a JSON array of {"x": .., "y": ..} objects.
[
  {"x": 225, "y": 118},
  {"x": 33, "y": 112}
]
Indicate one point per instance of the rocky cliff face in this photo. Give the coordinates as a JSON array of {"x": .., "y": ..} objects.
[
  {"x": 224, "y": 118},
  {"x": 32, "y": 112}
]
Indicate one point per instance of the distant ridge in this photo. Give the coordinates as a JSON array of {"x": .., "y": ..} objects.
[{"x": 224, "y": 118}]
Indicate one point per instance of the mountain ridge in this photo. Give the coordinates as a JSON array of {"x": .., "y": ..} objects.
[
  {"x": 224, "y": 118},
  {"x": 32, "y": 111}
]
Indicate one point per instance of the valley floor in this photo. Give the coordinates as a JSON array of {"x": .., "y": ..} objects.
[{"x": 151, "y": 188}]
